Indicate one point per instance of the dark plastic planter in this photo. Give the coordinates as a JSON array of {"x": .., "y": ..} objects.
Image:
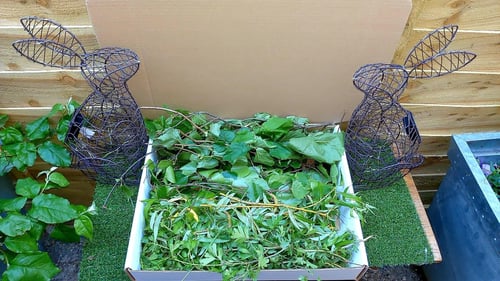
[{"x": 465, "y": 213}]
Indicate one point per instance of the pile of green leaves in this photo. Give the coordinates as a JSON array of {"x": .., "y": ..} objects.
[
  {"x": 33, "y": 212},
  {"x": 238, "y": 196}
]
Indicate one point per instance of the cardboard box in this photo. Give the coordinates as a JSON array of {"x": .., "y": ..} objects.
[
  {"x": 358, "y": 261},
  {"x": 234, "y": 58}
]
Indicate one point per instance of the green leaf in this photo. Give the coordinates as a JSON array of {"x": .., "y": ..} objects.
[
  {"x": 37, "y": 229},
  {"x": 54, "y": 154},
  {"x": 62, "y": 128},
  {"x": 334, "y": 174},
  {"x": 235, "y": 152},
  {"x": 226, "y": 135},
  {"x": 15, "y": 224},
  {"x": 215, "y": 128},
  {"x": 207, "y": 163},
  {"x": 30, "y": 267},
  {"x": 256, "y": 188},
  {"x": 168, "y": 138},
  {"x": 244, "y": 135},
  {"x": 38, "y": 129},
  {"x": 281, "y": 152},
  {"x": 299, "y": 190},
  {"x": 26, "y": 153},
  {"x": 65, "y": 233},
  {"x": 207, "y": 259},
  {"x": 276, "y": 127},
  {"x": 189, "y": 168},
  {"x": 322, "y": 147},
  {"x": 56, "y": 108},
  {"x": 12, "y": 204},
  {"x": 22, "y": 244},
  {"x": 59, "y": 179},
  {"x": 3, "y": 120},
  {"x": 84, "y": 226},
  {"x": 5, "y": 166},
  {"x": 288, "y": 198},
  {"x": 28, "y": 187},
  {"x": 319, "y": 190},
  {"x": 263, "y": 157},
  {"x": 51, "y": 209},
  {"x": 170, "y": 174},
  {"x": 11, "y": 135}
]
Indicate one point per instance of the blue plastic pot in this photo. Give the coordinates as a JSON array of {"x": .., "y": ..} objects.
[{"x": 465, "y": 213}]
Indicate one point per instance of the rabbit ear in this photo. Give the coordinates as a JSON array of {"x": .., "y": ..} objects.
[
  {"x": 431, "y": 45},
  {"x": 47, "y": 53},
  {"x": 49, "y": 30},
  {"x": 441, "y": 64}
]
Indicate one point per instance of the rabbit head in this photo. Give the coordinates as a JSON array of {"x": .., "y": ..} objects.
[
  {"x": 382, "y": 82},
  {"x": 109, "y": 68}
]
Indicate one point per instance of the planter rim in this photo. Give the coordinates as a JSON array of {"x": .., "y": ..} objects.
[{"x": 463, "y": 143}]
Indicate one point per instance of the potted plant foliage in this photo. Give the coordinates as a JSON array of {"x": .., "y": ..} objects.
[
  {"x": 264, "y": 198},
  {"x": 465, "y": 212}
]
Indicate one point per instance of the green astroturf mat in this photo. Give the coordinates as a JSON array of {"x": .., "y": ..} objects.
[
  {"x": 396, "y": 234},
  {"x": 103, "y": 258}
]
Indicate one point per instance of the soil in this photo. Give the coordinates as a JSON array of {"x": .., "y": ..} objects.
[{"x": 67, "y": 257}]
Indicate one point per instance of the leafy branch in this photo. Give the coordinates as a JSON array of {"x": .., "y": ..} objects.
[{"x": 240, "y": 195}]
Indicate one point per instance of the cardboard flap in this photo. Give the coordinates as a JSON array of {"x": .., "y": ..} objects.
[{"x": 237, "y": 57}]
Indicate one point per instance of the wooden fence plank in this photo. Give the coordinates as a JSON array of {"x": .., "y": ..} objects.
[
  {"x": 67, "y": 12},
  {"x": 24, "y": 114},
  {"x": 434, "y": 146},
  {"x": 455, "y": 89},
  {"x": 468, "y": 14},
  {"x": 432, "y": 166},
  {"x": 426, "y": 197},
  {"x": 428, "y": 183},
  {"x": 41, "y": 89},
  {"x": 447, "y": 120}
]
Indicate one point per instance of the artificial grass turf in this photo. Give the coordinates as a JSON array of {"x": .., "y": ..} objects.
[
  {"x": 103, "y": 257},
  {"x": 397, "y": 236}
]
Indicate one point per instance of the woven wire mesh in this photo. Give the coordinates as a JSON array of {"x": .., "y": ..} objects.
[
  {"x": 107, "y": 135},
  {"x": 382, "y": 138}
]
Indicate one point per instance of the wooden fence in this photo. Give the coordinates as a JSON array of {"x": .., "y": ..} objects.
[{"x": 466, "y": 101}]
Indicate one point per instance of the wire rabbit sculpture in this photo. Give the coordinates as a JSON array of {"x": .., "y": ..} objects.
[
  {"x": 382, "y": 138},
  {"x": 107, "y": 136}
]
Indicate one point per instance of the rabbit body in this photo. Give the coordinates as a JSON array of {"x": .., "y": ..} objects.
[
  {"x": 382, "y": 138},
  {"x": 107, "y": 135}
]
